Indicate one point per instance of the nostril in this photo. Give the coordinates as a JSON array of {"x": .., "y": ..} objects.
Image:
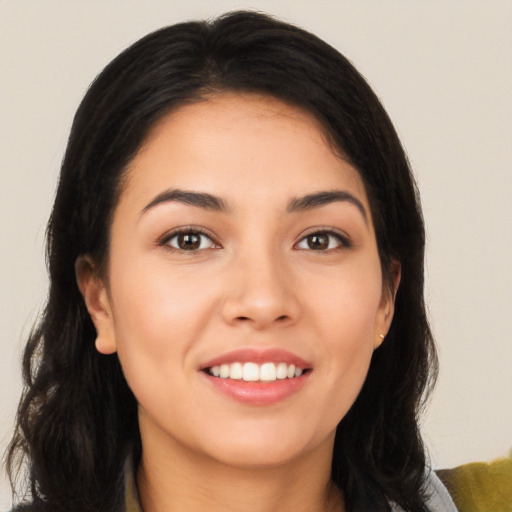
[{"x": 281, "y": 318}]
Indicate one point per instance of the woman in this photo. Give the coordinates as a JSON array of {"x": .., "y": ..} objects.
[{"x": 236, "y": 316}]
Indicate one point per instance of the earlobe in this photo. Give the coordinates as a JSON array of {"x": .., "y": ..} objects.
[{"x": 94, "y": 293}]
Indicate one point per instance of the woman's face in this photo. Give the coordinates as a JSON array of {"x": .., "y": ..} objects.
[{"x": 242, "y": 250}]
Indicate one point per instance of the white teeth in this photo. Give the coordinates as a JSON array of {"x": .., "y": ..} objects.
[
  {"x": 224, "y": 371},
  {"x": 282, "y": 371},
  {"x": 236, "y": 371},
  {"x": 268, "y": 372},
  {"x": 252, "y": 372}
]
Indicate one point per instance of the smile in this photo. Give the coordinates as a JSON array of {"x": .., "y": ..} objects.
[
  {"x": 257, "y": 376},
  {"x": 254, "y": 372}
]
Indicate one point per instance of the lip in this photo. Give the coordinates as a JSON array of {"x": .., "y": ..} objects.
[
  {"x": 259, "y": 356},
  {"x": 257, "y": 393}
]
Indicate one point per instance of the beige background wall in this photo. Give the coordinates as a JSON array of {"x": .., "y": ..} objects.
[{"x": 443, "y": 70}]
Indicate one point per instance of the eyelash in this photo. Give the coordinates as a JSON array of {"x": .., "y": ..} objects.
[
  {"x": 191, "y": 230},
  {"x": 343, "y": 242}
]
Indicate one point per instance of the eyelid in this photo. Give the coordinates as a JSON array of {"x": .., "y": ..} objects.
[
  {"x": 165, "y": 238},
  {"x": 343, "y": 238}
]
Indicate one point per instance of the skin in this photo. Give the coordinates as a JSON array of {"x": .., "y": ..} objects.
[{"x": 254, "y": 282}]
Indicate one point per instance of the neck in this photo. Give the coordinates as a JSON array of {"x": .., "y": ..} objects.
[{"x": 172, "y": 478}]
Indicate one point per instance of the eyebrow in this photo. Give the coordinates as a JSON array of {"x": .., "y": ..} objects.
[
  {"x": 213, "y": 203},
  {"x": 199, "y": 199},
  {"x": 318, "y": 199}
]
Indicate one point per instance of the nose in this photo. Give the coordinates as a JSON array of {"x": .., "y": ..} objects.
[{"x": 261, "y": 293}]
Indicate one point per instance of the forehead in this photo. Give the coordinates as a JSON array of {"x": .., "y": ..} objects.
[
  {"x": 251, "y": 141},
  {"x": 223, "y": 109}
]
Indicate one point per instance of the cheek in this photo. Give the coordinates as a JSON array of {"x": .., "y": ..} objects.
[
  {"x": 345, "y": 313},
  {"x": 158, "y": 313},
  {"x": 346, "y": 303}
]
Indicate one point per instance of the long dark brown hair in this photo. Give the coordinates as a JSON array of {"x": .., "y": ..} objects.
[{"x": 77, "y": 419}]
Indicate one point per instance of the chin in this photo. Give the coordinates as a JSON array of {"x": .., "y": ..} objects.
[
  {"x": 256, "y": 458},
  {"x": 266, "y": 448}
]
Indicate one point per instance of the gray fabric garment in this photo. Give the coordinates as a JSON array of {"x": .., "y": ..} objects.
[{"x": 439, "y": 498}]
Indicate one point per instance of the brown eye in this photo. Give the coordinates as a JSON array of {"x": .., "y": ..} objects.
[
  {"x": 190, "y": 241},
  {"x": 323, "y": 241},
  {"x": 318, "y": 242}
]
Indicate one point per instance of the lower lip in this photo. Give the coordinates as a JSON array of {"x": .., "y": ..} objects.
[{"x": 258, "y": 393}]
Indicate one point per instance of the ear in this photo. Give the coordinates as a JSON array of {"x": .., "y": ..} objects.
[
  {"x": 387, "y": 305},
  {"x": 97, "y": 302}
]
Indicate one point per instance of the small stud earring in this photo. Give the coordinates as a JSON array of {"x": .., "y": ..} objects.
[{"x": 381, "y": 336}]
